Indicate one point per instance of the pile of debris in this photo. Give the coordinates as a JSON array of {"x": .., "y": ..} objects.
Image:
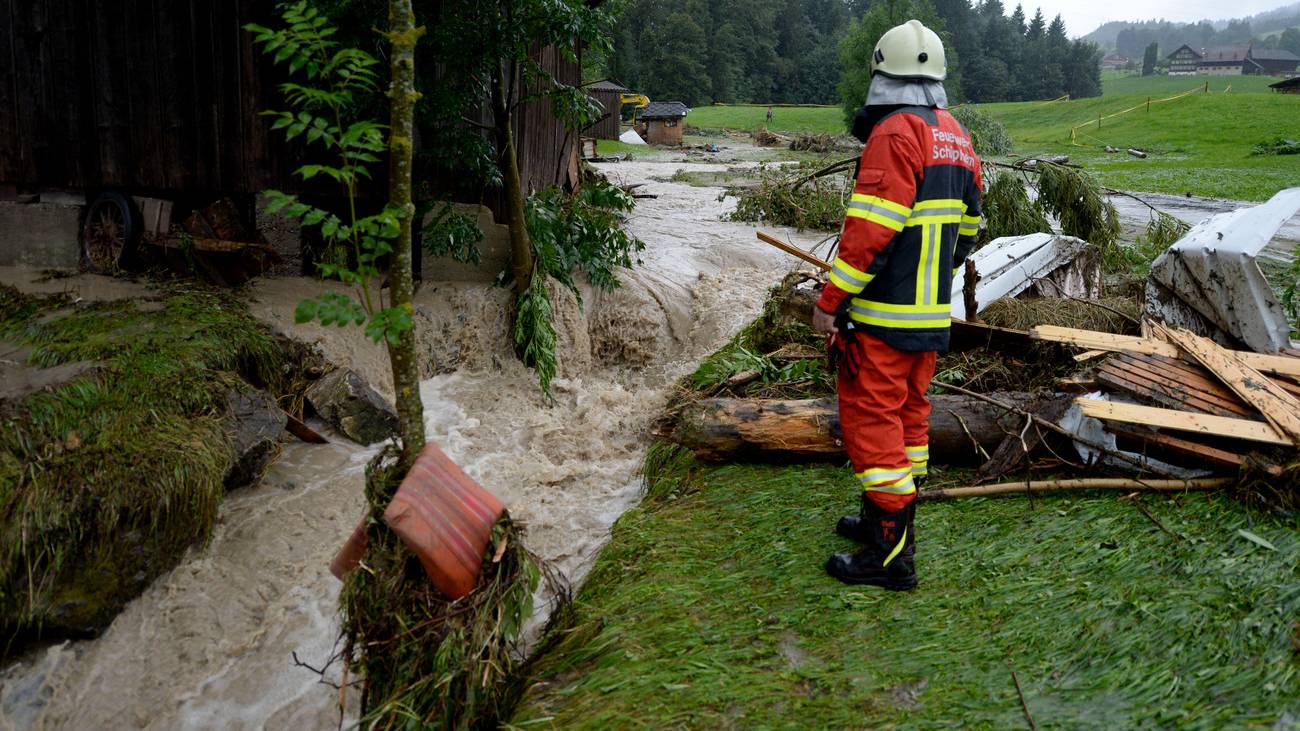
[{"x": 1203, "y": 389}]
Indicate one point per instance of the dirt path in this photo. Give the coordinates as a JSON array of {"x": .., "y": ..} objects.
[{"x": 210, "y": 644}]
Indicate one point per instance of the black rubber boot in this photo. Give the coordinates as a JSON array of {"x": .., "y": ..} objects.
[
  {"x": 854, "y": 527},
  {"x": 882, "y": 560}
]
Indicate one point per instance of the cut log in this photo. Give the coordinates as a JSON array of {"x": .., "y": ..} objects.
[{"x": 721, "y": 428}]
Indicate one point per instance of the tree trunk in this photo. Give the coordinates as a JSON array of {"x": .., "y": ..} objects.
[
  {"x": 521, "y": 247},
  {"x": 402, "y": 96},
  {"x": 725, "y": 428}
]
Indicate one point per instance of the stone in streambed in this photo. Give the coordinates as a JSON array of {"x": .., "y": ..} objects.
[
  {"x": 253, "y": 422},
  {"x": 345, "y": 401}
]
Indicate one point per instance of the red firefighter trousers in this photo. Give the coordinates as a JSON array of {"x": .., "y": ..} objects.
[{"x": 885, "y": 417}]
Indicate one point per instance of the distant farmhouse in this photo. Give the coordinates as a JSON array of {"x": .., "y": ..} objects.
[
  {"x": 1114, "y": 61},
  {"x": 1233, "y": 61}
]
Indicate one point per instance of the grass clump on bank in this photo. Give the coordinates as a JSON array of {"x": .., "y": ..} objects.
[
  {"x": 710, "y": 609},
  {"x": 106, "y": 479}
]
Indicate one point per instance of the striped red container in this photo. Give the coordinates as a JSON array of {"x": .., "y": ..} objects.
[{"x": 446, "y": 519}]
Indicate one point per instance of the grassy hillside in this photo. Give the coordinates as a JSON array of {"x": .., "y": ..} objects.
[{"x": 1200, "y": 144}]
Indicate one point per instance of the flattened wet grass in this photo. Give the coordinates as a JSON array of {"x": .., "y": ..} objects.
[
  {"x": 707, "y": 592},
  {"x": 107, "y": 479}
]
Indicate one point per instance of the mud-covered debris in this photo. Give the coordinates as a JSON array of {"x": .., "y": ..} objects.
[{"x": 352, "y": 407}]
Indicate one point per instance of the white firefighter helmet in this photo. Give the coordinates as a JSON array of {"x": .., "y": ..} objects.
[{"x": 910, "y": 51}]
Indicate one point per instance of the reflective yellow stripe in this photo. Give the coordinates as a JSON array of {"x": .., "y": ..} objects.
[
  {"x": 936, "y": 309},
  {"x": 849, "y": 279},
  {"x": 879, "y": 202},
  {"x": 970, "y": 226},
  {"x": 938, "y": 211},
  {"x": 920, "y": 452},
  {"x": 872, "y": 216},
  {"x": 897, "y": 549},
  {"x": 920, "y": 469},
  {"x": 882, "y": 475},
  {"x": 904, "y": 486}
]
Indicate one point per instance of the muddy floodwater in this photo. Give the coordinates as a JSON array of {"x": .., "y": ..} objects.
[{"x": 212, "y": 643}]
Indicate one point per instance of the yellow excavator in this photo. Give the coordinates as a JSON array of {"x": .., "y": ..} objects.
[{"x": 638, "y": 101}]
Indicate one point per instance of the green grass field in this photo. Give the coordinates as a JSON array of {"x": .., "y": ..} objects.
[
  {"x": 811, "y": 120},
  {"x": 1200, "y": 144},
  {"x": 710, "y": 609}
]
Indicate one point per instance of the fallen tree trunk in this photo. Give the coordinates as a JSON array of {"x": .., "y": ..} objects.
[{"x": 963, "y": 430}]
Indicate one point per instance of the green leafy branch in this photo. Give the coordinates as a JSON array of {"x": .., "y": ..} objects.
[{"x": 338, "y": 80}]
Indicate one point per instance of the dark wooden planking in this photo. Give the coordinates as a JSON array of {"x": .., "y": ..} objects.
[
  {"x": 171, "y": 30},
  {"x": 10, "y": 141},
  {"x": 145, "y": 124},
  {"x": 1143, "y": 389},
  {"x": 1193, "y": 376},
  {"x": 27, "y": 31},
  {"x": 1184, "y": 447},
  {"x": 1173, "y": 390}
]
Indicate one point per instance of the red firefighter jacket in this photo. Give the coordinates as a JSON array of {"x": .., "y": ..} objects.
[{"x": 912, "y": 221}]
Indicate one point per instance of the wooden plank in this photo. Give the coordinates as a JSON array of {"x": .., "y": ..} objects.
[
  {"x": 793, "y": 250},
  {"x": 28, "y": 26},
  {"x": 1175, "y": 444},
  {"x": 1211, "y": 401},
  {"x": 1277, "y": 405},
  {"x": 1132, "y": 344},
  {"x": 1162, "y": 394},
  {"x": 1184, "y": 372},
  {"x": 1219, "y": 426}
]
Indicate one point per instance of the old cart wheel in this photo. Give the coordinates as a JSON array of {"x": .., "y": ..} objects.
[{"x": 109, "y": 237}]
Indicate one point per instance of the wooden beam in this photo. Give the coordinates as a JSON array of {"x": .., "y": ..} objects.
[
  {"x": 1102, "y": 483},
  {"x": 1218, "y": 426},
  {"x": 793, "y": 250},
  {"x": 1280, "y": 364},
  {"x": 1277, "y": 405}
]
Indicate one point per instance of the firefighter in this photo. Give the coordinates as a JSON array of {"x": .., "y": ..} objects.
[{"x": 912, "y": 220}]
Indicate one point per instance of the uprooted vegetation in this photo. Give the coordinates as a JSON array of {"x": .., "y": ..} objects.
[{"x": 106, "y": 479}]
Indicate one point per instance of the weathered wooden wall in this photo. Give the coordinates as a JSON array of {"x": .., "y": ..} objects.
[
  {"x": 163, "y": 97},
  {"x": 608, "y": 128},
  {"x": 140, "y": 94}
]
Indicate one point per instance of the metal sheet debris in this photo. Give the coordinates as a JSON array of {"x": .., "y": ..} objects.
[
  {"x": 630, "y": 137},
  {"x": 1094, "y": 431},
  {"x": 1209, "y": 281},
  {"x": 1046, "y": 264}
]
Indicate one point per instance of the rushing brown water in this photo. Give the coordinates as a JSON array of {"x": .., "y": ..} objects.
[{"x": 212, "y": 643}]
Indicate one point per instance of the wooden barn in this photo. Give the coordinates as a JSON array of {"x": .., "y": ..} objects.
[
  {"x": 664, "y": 122},
  {"x": 608, "y": 95},
  {"x": 162, "y": 100}
]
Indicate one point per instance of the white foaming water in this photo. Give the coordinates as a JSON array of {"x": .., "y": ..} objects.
[{"x": 211, "y": 644}]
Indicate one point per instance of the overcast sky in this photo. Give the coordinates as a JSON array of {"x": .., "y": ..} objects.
[{"x": 1082, "y": 18}]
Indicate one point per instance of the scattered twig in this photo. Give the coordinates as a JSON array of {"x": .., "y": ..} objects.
[
  {"x": 1028, "y": 716},
  {"x": 1137, "y": 503},
  {"x": 979, "y": 448},
  {"x": 1061, "y": 293}
]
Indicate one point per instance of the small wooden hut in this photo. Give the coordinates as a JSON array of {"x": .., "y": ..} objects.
[{"x": 664, "y": 122}]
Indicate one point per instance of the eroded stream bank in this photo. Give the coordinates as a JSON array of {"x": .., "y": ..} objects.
[{"x": 211, "y": 643}]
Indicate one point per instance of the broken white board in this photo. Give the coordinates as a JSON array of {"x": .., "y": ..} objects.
[
  {"x": 1012, "y": 265},
  {"x": 1212, "y": 274},
  {"x": 631, "y": 137},
  {"x": 1094, "y": 431}
]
